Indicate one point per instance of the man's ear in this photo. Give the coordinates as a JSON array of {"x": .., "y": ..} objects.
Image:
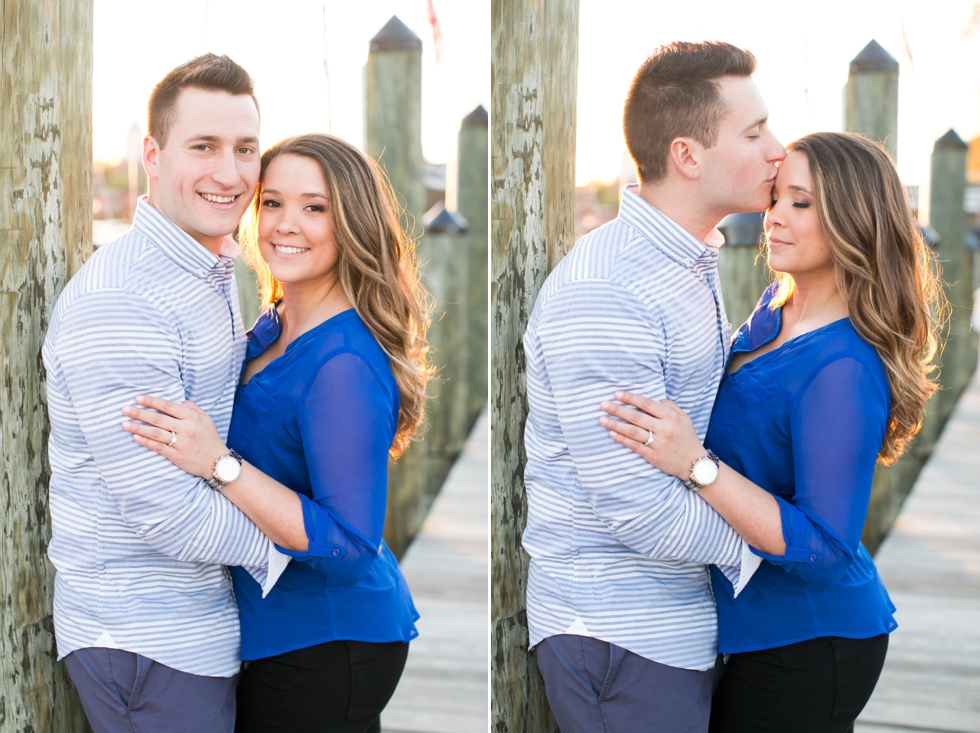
[
  {"x": 685, "y": 157},
  {"x": 150, "y": 150}
]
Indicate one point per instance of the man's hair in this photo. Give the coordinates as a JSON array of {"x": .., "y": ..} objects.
[
  {"x": 673, "y": 95},
  {"x": 209, "y": 72}
]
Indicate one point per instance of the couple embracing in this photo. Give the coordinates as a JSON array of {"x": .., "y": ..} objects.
[
  {"x": 695, "y": 497},
  {"x": 217, "y": 496}
]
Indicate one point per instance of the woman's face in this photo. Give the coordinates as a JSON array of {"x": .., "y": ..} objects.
[
  {"x": 295, "y": 232},
  {"x": 794, "y": 237}
]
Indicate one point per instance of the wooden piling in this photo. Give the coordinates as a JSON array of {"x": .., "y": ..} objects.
[
  {"x": 444, "y": 266},
  {"x": 742, "y": 266},
  {"x": 45, "y": 236},
  {"x": 871, "y": 96},
  {"x": 535, "y": 60},
  {"x": 394, "y": 111},
  {"x": 473, "y": 190}
]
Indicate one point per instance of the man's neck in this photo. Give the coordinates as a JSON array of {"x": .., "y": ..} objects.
[
  {"x": 212, "y": 244},
  {"x": 680, "y": 204}
]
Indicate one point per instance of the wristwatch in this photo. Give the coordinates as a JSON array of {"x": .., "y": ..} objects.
[
  {"x": 226, "y": 469},
  {"x": 704, "y": 471}
]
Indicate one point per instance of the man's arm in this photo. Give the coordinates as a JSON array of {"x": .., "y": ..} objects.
[
  {"x": 595, "y": 338},
  {"x": 111, "y": 347}
]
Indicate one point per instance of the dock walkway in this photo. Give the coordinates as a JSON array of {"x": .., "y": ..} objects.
[
  {"x": 930, "y": 563},
  {"x": 445, "y": 685}
]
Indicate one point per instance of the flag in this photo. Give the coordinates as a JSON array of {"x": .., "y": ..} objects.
[
  {"x": 437, "y": 41},
  {"x": 908, "y": 49}
]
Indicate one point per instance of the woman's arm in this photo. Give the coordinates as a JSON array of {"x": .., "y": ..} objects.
[
  {"x": 838, "y": 424},
  {"x": 272, "y": 507},
  {"x": 751, "y": 511}
]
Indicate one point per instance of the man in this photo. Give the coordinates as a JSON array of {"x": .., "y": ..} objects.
[
  {"x": 144, "y": 612},
  {"x": 619, "y": 602}
]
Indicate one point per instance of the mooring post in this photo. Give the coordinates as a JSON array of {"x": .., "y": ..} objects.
[
  {"x": 444, "y": 263},
  {"x": 742, "y": 265},
  {"x": 473, "y": 182},
  {"x": 946, "y": 216},
  {"x": 45, "y": 236},
  {"x": 871, "y": 96},
  {"x": 394, "y": 111},
  {"x": 535, "y": 60}
]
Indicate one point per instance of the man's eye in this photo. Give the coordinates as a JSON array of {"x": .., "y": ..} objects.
[{"x": 245, "y": 151}]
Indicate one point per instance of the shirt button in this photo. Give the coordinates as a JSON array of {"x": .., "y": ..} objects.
[
  {"x": 813, "y": 558},
  {"x": 336, "y": 552}
]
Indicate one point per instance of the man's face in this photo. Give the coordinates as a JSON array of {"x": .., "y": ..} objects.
[
  {"x": 738, "y": 171},
  {"x": 205, "y": 177}
]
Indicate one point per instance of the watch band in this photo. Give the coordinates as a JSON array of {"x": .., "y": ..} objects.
[
  {"x": 692, "y": 484},
  {"x": 214, "y": 482}
]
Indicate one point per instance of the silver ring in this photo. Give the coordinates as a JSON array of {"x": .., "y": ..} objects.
[
  {"x": 173, "y": 439},
  {"x": 649, "y": 440}
]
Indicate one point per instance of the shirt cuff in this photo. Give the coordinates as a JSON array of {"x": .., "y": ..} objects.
[
  {"x": 740, "y": 575},
  {"x": 268, "y": 575}
]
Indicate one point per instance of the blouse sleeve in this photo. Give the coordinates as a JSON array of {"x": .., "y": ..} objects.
[
  {"x": 838, "y": 426},
  {"x": 347, "y": 425}
]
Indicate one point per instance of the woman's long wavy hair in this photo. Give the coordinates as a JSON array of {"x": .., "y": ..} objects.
[
  {"x": 884, "y": 271},
  {"x": 376, "y": 265}
]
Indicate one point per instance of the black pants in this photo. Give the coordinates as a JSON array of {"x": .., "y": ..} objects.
[
  {"x": 815, "y": 686},
  {"x": 338, "y": 687}
]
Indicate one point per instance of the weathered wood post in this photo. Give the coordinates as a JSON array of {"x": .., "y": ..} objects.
[
  {"x": 393, "y": 127},
  {"x": 535, "y": 60},
  {"x": 444, "y": 263},
  {"x": 45, "y": 236},
  {"x": 473, "y": 186},
  {"x": 871, "y": 96},
  {"x": 947, "y": 217},
  {"x": 394, "y": 111},
  {"x": 742, "y": 265}
]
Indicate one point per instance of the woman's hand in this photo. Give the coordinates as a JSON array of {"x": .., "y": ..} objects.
[
  {"x": 197, "y": 445},
  {"x": 675, "y": 446}
]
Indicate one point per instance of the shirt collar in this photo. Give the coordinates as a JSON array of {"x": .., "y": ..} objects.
[
  {"x": 175, "y": 243},
  {"x": 663, "y": 232}
]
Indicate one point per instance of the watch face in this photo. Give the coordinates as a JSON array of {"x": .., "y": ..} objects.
[
  {"x": 705, "y": 471},
  {"x": 227, "y": 469}
]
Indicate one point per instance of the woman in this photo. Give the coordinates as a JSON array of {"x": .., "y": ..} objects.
[
  {"x": 828, "y": 376},
  {"x": 334, "y": 383}
]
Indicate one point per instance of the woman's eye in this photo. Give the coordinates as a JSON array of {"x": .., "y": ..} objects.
[
  {"x": 801, "y": 204},
  {"x": 772, "y": 203},
  {"x": 316, "y": 208},
  {"x": 271, "y": 203}
]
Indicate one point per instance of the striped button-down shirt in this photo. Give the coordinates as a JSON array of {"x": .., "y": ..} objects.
[
  {"x": 139, "y": 545},
  {"x": 619, "y": 549}
]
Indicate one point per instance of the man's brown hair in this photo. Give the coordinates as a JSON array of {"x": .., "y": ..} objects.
[
  {"x": 209, "y": 72},
  {"x": 673, "y": 95}
]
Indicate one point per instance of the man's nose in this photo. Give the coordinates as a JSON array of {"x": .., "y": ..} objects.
[
  {"x": 225, "y": 171},
  {"x": 776, "y": 150}
]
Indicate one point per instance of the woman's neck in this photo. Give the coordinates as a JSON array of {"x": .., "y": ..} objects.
[
  {"x": 815, "y": 302},
  {"x": 304, "y": 307}
]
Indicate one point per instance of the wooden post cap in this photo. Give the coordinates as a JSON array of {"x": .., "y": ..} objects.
[
  {"x": 441, "y": 219},
  {"x": 395, "y": 36},
  {"x": 476, "y": 118},
  {"x": 950, "y": 140},
  {"x": 873, "y": 58}
]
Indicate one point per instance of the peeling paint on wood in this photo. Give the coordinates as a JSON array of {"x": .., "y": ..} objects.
[
  {"x": 45, "y": 235},
  {"x": 535, "y": 58}
]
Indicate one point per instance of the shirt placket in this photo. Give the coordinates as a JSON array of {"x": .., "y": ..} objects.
[{"x": 706, "y": 269}]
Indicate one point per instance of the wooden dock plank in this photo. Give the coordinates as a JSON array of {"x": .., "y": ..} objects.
[
  {"x": 445, "y": 685},
  {"x": 930, "y": 564}
]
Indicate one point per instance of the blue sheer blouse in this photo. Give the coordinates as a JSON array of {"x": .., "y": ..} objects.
[
  {"x": 320, "y": 419},
  {"x": 804, "y": 421}
]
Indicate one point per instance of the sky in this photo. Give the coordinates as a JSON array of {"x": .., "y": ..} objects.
[
  {"x": 803, "y": 51},
  {"x": 282, "y": 46}
]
